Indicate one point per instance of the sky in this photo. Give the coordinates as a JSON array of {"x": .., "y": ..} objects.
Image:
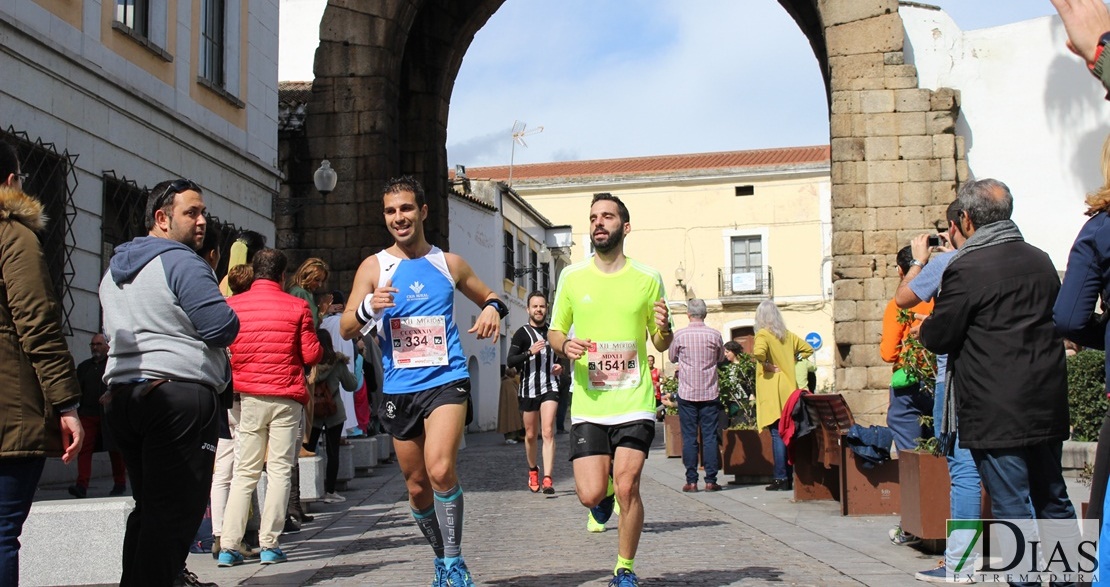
[{"x": 632, "y": 78}]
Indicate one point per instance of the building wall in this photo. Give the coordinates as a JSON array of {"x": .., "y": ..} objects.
[
  {"x": 1020, "y": 87},
  {"x": 477, "y": 240},
  {"x": 692, "y": 221},
  {"x": 74, "y": 80}
]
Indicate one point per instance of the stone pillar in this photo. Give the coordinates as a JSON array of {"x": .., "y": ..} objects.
[{"x": 895, "y": 166}]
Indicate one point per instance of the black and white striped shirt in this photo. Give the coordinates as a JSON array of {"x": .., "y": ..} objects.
[{"x": 535, "y": 370}]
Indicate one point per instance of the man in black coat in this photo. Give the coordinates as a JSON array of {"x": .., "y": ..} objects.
[{"x": 1007, "y": 376}]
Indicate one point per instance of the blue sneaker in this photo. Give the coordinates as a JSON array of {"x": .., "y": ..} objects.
[
  {"x": 273, "y": 555},
  {"x": 624, "y": 578},
  {"x": 229, "y": 558},
  {"x": 458, "y": 576},
  {"x": 440, "y": 579},
  {"x": 604, "y": 510}
]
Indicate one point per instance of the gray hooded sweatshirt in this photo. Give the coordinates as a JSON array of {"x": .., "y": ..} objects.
[{"x": 164, "y": 315}]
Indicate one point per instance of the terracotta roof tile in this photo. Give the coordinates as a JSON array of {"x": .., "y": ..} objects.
[
  {"x": 294, "y": 92},
  {"x": 661, "y": 164}
]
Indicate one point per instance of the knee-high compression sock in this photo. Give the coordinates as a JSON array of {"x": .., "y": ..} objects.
[
  {"x": 449, "y": 510},
  {"x": 429, "y": 526}
]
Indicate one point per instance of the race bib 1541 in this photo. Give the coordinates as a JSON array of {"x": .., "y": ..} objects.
[{"x": 613, "y": 365}]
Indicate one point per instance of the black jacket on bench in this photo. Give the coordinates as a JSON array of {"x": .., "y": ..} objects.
[{"x": 993, "y": 317}]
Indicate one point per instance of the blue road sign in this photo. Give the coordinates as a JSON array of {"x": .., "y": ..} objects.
[{"x": 814, "y": 340}]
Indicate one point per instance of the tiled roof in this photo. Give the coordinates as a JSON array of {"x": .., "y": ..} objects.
[
  {"x": 294, "y": 92},
  {"x": 754, "y": 160},
  {"x": 293, "y": 105}
]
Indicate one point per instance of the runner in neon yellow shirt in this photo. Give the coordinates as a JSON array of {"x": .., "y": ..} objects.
[{"x": 615, "y": 304}]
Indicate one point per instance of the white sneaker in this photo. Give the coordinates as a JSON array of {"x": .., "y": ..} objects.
[{"x": 334, "y": 498}]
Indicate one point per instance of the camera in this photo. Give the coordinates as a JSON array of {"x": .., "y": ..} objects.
[{"x": 934, "y": 240}]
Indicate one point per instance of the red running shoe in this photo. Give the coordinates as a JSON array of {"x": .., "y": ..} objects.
[{"x": 534, "y": 480}]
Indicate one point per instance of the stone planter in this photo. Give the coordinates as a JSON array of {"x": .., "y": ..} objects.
[
  {"x": 672, "y": 435},
  {"x": 747, "y": 454}
]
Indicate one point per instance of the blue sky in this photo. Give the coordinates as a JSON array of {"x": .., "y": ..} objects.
[{"x": 629, "y": 78}]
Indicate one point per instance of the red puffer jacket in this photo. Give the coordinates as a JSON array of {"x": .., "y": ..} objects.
[{"x": 276, "y": 341}]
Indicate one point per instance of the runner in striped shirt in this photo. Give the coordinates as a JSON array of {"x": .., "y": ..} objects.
[{"x": 539, "y": 389}]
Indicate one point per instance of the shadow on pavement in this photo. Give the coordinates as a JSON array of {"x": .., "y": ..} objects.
[
  {"x": 705, "y": 578},
  {"x": 659, "y": 527}
]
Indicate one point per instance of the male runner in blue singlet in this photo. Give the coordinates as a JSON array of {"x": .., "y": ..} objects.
[{"x": 407, "y": 292}]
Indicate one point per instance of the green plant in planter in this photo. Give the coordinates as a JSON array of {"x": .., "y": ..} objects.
[
  {"x": 669, "y": 387},
  {"x": 736, "y": 387},
  {"x": 930, "y": 445},
  {"x": 1087, "y": 393},
  {"x": 918, "y": 363}
]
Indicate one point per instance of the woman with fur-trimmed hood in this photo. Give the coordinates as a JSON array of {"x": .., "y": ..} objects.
[{"x": 39, "y": 393}]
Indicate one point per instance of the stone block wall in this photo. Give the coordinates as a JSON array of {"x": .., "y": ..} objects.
[
  {"x": 380, "y": 100},
  {"x": 896, "y": 162}
]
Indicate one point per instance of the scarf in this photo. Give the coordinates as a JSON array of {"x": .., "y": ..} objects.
[{"x": 995, "y": 233}]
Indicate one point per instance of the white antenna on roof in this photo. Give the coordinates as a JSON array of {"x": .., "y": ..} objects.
[{"x": 518, "y": 135}]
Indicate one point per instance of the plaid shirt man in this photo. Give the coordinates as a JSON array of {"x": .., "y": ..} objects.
[{"x": 696, "y": 350}]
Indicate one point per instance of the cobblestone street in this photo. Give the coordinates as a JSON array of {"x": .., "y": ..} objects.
[{"x": 740, "y": 536}]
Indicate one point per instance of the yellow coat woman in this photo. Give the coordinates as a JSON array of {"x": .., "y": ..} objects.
[
  {"x": 775, "y": 350},
  {"x": 775, "y": 379}
]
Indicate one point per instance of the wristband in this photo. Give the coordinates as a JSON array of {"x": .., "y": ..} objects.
[
  {"x": 365, "y": 313},
  {"x": 1098, "y": 65},
  {"x": 502, "y": 309},
  {"x": 564, "y": 348}
]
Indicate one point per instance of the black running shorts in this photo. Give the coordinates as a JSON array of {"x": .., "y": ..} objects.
[
  {"x": 402, "y": 414},
  {"x": 532, "y": 404},
  {"x": 589, "y": 439}
]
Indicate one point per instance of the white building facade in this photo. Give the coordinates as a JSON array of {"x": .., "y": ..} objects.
[
  {"x": 105, "y": 98},
  {"x": 485, "y": 216}
]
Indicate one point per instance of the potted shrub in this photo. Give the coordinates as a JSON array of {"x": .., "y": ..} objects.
[
  {"x": 745, "y": 450},
  {"x": 672, "y": 429}
]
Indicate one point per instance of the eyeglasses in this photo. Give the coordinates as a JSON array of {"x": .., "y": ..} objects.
[
  {"x": 22, "y": 177},
  {"x": 176, "y": 187}
]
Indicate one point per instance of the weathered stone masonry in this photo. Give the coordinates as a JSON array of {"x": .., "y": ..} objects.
[{"x": 384, "y": 75}]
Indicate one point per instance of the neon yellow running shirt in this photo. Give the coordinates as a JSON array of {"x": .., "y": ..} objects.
[{"x": 615, "y": 311}]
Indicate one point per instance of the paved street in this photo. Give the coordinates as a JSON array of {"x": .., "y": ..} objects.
[{"x": 739, "y": 536}]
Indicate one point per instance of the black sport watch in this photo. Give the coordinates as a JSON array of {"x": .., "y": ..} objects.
[{"x": 502, "y": 309}]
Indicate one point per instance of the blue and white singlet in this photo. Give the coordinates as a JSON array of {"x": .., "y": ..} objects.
[{"x": 419, "y": 339}]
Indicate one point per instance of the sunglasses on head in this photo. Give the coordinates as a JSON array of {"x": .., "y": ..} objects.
[{"x": 176, "y": 187}]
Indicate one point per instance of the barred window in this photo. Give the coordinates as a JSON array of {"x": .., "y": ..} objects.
[{"x": 51, "y": 179}]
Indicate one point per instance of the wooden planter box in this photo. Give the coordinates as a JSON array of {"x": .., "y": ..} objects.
[
  {"x": 748, "y": 455},
  {"x": 672, "y": 435}
]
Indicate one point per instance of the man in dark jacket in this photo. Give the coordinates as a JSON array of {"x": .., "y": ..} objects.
[
  {"x": 39, "y": 395},
  {"x": 1007, "y": 377}
]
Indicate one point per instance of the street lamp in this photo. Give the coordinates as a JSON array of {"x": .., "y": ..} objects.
[{"x": 324, "y": 179}]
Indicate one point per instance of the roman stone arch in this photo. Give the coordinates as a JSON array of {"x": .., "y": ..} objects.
[{"x": 379, "y": 107}]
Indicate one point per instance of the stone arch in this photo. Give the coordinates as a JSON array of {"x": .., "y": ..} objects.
[{"x": 379, "y": 105}]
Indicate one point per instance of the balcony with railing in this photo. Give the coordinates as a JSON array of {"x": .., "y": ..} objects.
[{"x": 744, "y": 285}]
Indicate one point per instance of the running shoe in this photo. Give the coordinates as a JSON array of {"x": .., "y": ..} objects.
[
  {"x": 624, "y": 578},
  {"x": 901, "y": 537},
  {"x": 940, "y": 574},
  {"x": 229, "y": 558},
  {"x": 534, "y": 480},
  {"x": 440, "y": 579},
  {"x": 459, "y": 576},
  {"x": 548, "y": 485},
  {"x": 333, "y": 497},
  {"x": 271, "y": 556},
  {"x": 593, "y": 525}
]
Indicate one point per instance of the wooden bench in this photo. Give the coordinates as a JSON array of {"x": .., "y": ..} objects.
[{"x": 826, "y": 468}]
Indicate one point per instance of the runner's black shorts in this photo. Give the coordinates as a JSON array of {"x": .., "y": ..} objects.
[
  {"x": 402, "y": 414},
  {"x": 588, "y": 439},
  {"x": 532, "y": 404}
]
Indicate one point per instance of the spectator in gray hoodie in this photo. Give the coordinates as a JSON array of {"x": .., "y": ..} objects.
[{"x": 169, "y": 327}]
